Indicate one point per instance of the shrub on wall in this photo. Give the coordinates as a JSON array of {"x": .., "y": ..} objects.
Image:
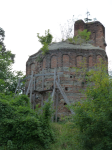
[
  {"x": 82, "y": 37},
  {"x": 45, "y": 41}
]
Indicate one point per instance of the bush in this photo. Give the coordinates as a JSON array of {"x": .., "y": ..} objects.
[
  {"x": 93, "y": 117},
  {"x": 21, "y": 127}
]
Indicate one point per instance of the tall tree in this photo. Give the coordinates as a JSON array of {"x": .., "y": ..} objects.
[
  {"x": 8, "y": 78},
  {"x": 2, "y": 35}
]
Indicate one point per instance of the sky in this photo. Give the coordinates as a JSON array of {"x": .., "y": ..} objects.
[{"x": 23, "y": 19}]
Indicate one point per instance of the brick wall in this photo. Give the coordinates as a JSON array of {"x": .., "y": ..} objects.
[
  {"x": 66, "y": 61},
  {"x": 98, "y": 58},
  {"x": 53, "y": 62},
  {"x": 44, "y": 63},
  {"x": 97, "y": 32},
  {"x": 66, "y": 58},
  {"x": 79, "y": 60},
  {"x": 62, "y": 60},
  {"x": 90, "y": 61}
]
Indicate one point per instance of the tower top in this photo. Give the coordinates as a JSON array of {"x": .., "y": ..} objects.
[{"x": 97, "y": 32}]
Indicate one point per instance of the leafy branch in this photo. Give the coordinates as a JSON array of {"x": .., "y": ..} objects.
[{"x": 45, "y": 41}]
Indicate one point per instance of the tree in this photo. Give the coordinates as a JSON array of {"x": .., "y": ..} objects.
[
  {"x": 8, "y": 78},
  {"x": 2, "y": 46},
  {"x": 2, "y": 35},
  {"x": 93, "y": 115}
]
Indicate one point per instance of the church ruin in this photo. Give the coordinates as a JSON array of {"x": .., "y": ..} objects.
[{"x": 62, "y": 56}]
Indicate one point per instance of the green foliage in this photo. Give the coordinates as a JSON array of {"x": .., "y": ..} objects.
[
  {"x": 62, "y": 39},
  {"x": 2, "y": 36},
  {"x": 45, "y": 41},
  {"x": 8, "y": 78},
  {"x": 5, "y": 70},
  {"x": 45, "y": 49},
  {"x": 83, "y": 36},
  {"x": 0, "y": 47},
  {"x": 70, "y": 40},
  {"x": 23, "y": 128},
  {"x": 64, "y": 133},
  {"x": 93, "y": 116},
  {"x": 39, "y": 59},
  {"x": 10, "y": 145}
]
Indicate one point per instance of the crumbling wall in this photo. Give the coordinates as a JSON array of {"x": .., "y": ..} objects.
[
  {"x": 97, "y": 32},
  {"x": 63, "y": 60},
  {"x": 63, "y": 56}
]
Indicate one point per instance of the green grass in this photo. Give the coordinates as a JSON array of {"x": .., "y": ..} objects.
[{"x": 65, "y": 139}]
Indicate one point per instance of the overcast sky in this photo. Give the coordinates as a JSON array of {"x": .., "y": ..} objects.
[{"x": 23, "y": 19}]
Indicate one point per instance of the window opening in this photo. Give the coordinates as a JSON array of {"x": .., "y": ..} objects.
[
  {"x": 65, "y": 103},
  {"x": 70, "y": 76},
  {"x": 66, "y": 88}
]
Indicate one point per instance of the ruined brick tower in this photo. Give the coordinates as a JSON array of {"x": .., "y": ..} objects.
[
  {"x": 62, "y": 56},
  {"x": 97, "y": 32}
]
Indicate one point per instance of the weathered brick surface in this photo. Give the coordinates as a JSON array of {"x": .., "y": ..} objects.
[
  {"x": 79, "y": 60},
  {"x": 66, "y": 61},
  {"x": 53, "y": 62},
  {"x": 63, "y": 60},
  {"x": 97, "y": 32},
  {"x": 44, "y": 63},
  {"x": 90, "y": 61}
]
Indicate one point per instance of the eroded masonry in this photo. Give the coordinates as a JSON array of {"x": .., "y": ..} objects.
[{"x": 62, "y": 56}]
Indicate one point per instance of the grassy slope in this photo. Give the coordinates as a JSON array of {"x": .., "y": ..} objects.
[{"x": 64, "y": 136}]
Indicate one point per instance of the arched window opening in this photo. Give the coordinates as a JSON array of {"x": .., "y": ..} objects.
[
  {"x": 79, "y": 61},
  {"x": 90, "y": 61},
  {"x": 66, "y": 61},
  {"x": 53, "y": 62}
]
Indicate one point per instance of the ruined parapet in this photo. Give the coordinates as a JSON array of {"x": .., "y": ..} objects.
[{"x": 97, "y": 32}]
